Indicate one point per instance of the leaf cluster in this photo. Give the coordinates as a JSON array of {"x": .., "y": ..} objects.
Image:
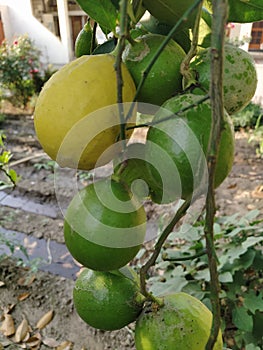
[{"x": 183, "y": 266}]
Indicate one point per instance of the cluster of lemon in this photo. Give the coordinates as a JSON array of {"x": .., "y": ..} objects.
[{"x": 77, "y": 122}]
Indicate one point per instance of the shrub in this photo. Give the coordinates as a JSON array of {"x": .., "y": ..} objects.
[{"x": 21, "y": 73}]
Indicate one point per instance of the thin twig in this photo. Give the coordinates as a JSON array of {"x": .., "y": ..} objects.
[
  {"x": 158, "y": 246},
  {"x": 118, "y": 69},
  {"x": 164, "y": 119},
  {"x": 216, "y": 91}
]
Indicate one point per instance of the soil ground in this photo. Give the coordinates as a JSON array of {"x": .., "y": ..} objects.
[{"x": 34, "y": 208}]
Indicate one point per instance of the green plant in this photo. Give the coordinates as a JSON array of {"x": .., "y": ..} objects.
[
  {"x": 21, "y": 74},
  {"x": 183, "y": 266},
  {"x": 258, "y": 135},
  {"x": 45, "y": 164},
  {"x": 249, "y": 117},
  {"x": 10, "y": 177},
  {"x": 88, "y": 217},
  {"x": 9, "y": 246}
]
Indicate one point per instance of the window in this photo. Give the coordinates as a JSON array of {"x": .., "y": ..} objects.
[{"x": 256, "y": 42}]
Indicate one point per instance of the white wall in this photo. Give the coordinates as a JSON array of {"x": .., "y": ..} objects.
[{"x": 18, "y": 19}]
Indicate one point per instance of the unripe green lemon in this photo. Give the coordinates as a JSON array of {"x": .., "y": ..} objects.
[
  {"x": 184, "y": 322},
  {"x": 83, "y": 43},
  {"x": 181, "y": 36},
  {"x": 136, "y": 173},
  {"x": 170, "y": 11},
  {"x": 104, "y": 226},
  {"x": 239, "y": 79},
  {"x": 76, "y": 116},
  {"x": 107, "y": 300},
  {"x": 178, "y": 147},
  {"x": 164, "y": 78}
]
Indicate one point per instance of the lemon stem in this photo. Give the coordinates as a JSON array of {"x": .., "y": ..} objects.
[
  {"x": 220, "y": 8},
  {"x": 188, "y": 76},
  {"x": 93, "y": 40},
  {"x": 117, "y": 67},
  {"x": 158, "y": 246},
  {"x": 159, "y": 51}
]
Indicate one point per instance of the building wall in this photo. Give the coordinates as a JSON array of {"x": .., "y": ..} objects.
[{"x": 18, "y": 19}]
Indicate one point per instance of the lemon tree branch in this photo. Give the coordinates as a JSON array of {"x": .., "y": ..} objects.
[
  {"x": 161, "y": 120},
  {"x": 216, "y": 92},
  {"x": 158, "y": 246},
  {"x": 118, "y": 63}
]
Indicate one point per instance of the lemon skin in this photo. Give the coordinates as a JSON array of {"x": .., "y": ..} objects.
[
  {"x": 183, "y": 322},
  {"x": 74, "y": 118}
]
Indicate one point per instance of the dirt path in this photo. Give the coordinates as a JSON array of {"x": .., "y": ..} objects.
[{"x": 32, "y": 208}]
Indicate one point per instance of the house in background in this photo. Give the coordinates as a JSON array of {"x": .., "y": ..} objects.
[
  {"x": 55, "y": 24},
  {"x": 52, "y": 24}
]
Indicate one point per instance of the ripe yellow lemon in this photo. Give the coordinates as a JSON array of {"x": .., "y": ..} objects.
[
  {"x": 184, "y": 322},
  {"x": 76, "y": 116},
  {"x": 107, "y": 300},
  {"x": 104, "y": 225},
  {"x": 240, "y": 76},
  {"x": 164, "y": 78}
]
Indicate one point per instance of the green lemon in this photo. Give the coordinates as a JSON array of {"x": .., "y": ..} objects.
[
  {"x": 83, "y": 43},
  {"x": 76, "y": 116},
  {"x": 164, "y": 78},
  {"x": 181, "y": 36},
  {"x": 240, "y": 76},
  {"x": 184, "y": 322},
  {"x": 107, "y": 300},
  {"x": 104, "y": 226},
  {"x": 170, "y": 11},
  {"x": 178, "y": 149},
  {"x": 136, "y": 173}
]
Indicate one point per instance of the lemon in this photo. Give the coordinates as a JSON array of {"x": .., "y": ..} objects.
[
  {"x": 83, "y": 43},
  {"x": 181, "y": 36},
  {"x": 104, "y": 225},
  {"x": 76, "y": 116},
  {"x": 184, "y": 322},
  {"x": 107, "y": 300},
  {"x": 177, "y": 148},
  {"x": 239, "y": 79},
  {"x": 164, "y": 78}
]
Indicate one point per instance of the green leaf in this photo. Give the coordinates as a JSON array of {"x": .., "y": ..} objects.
[
  {"x": 245, "y": 11},
  {"x": 226, "y": 277},
  {"x": 253, "y": 302},
  {"x": 13, "y": 175},
  {"x": 242, "y": 319},
  {"x": 175, "y": 284},
  {"x": 102, "y": 11},
  {"x": 251, "y": 241},
  {"x": 252, "y": 347},
  {"x": 242, "y": 11}
]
